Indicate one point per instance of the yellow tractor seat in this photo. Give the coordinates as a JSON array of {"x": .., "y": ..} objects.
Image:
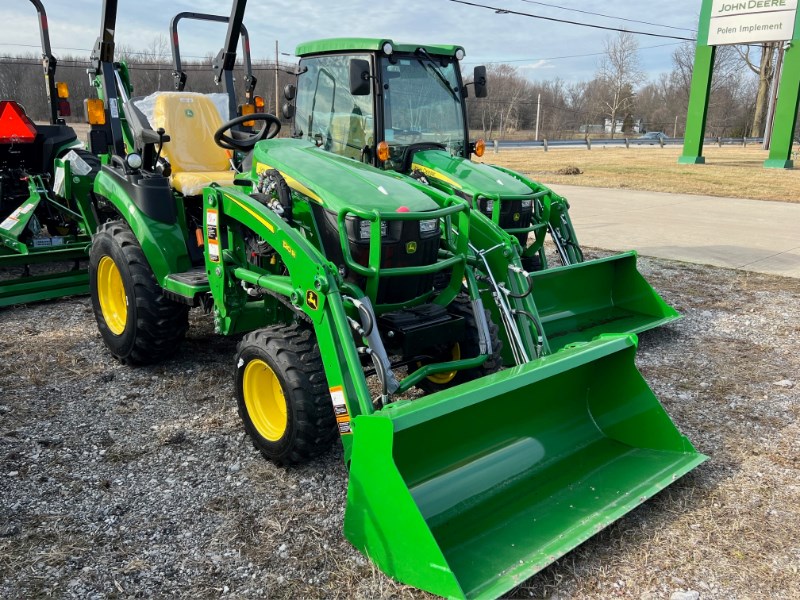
[
  {"x": 190, "y": 120},
  {"x": 192, "y": 183},
  {"x": 347, "y": 133}
]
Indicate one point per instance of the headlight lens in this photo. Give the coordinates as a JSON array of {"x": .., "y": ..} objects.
[
  {"x": 527, "y": 203},
  {"x": 428, "y": 226},
  {"x": 489, "y": 206},
  {"x": 364, "y": 229}
]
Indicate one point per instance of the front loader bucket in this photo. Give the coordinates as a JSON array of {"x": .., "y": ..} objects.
[
  {"x": 468, "y": 492},
  {"x": 578, "y": 302}
]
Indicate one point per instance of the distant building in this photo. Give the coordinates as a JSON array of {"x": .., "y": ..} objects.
[{"x": 638, "y": 126}]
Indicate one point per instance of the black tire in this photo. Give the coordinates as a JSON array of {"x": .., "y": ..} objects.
[
  {"x": 153, "y": 326},
  {"x": 532, "y": 264},
  {"x": 92, "y": 160},
  {"x": 292, "y": 355},
  {"x": 469, "y": 348}
]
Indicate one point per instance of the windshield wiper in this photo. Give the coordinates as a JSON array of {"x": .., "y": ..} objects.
[{"x": 431, "y": 66}]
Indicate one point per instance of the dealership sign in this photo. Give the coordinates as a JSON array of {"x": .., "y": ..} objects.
[{"x": 749, "y": 21}]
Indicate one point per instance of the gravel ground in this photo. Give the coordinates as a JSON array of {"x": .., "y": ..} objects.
[{"x": 120, "y": 482}]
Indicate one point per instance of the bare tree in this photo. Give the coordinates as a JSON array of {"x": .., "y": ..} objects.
[
  {"x": 765, "y": 72},
  {"x": 620, "y": 71}
]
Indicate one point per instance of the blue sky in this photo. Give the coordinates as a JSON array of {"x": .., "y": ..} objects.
[{"x": 534, "y": 46}]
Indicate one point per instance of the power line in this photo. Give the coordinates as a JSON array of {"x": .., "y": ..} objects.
[
  {"x": 597, "y": 14},
  {"x": 126, "y": 52},
  {"x": 138, "y": 53},
  {"x": 144, "y": 66},
  {"x": 502, "y": 62},
  {"x": 505, "y": 11}
]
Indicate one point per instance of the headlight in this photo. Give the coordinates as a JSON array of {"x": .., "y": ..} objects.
[
  {"x": 489, "y": 206},
  {"x": 364, "y": 229},
  {"x": 428, "y": 226},
  {"x": 134, "y": 161},
  {"x": 527, "y": 203}
]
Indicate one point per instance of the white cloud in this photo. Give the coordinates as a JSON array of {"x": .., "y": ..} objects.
[{"x": 487, "y": 37}]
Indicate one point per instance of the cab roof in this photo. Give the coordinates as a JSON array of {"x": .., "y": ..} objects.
[{"x": 369, "y": 45}]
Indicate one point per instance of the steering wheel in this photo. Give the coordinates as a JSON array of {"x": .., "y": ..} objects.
[{"x": 243, "y": 141}]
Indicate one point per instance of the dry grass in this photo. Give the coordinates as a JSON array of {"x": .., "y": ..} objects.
[{"x": 732, "y": 172}]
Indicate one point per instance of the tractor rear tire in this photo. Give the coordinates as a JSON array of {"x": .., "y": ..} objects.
[
  {"x": 137, "y": 322},
  {"x": 283, "y": 395},
  {"x": 467, "y": 348},
  {"x": 532, "y": 264}
]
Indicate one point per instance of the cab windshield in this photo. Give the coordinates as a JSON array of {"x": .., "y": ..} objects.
[{"x": 421, "y": 104}]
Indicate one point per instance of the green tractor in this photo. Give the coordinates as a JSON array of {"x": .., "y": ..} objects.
[
  {"x": 47, "y": 214},
  {"x": 349, "y": 286},
  {"x": 402, "y": 108}
]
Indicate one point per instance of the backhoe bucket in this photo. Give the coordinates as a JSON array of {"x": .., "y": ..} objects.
[
  {"x": 579, "y": 302},
  {"x": 468, "y": 492}
]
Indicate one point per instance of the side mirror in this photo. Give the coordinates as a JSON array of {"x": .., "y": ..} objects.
[
  {"x": 359, "y": 77},
  {"x": 288, "y": 111},
  {"x": 479, "y": 77},
  {"x": 289, "y": 92}
]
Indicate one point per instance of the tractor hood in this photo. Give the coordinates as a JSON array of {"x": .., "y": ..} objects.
[
  {"x": 337, "y": 182},
  {"x": 466, "y": 176}
]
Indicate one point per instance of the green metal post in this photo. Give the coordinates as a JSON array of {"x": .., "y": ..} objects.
[
  {"x": 786, "y": 109},
  {"x": 700, "y": 93}
]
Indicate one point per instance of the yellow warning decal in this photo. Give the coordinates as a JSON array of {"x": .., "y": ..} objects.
[
  {"x": 212, "y": 224},
  {"x": 213, "y": 251},
  {"x": 435, "y": 175},
  {"x": 340, "y": 410}
]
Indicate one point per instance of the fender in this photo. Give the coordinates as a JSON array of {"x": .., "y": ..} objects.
[{"x": 161, "y": 237}]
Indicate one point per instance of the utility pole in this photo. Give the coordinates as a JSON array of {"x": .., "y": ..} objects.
[
  {"x": 276, "y": 113},
  {"x": 538, "y": 113},
  {"x": 773, "y": 98}
]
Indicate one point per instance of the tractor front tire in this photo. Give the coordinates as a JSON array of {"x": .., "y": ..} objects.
[
  {"x": 283, "y": 395},
  {"x": 467, "y": 348},
  {"x": 137, "y": 322}
]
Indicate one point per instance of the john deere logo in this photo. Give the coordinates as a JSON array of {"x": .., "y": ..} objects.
[
  {"x": 411, "y": 247},
  {"x": 516, "y": 217},
  {"x": 312, "y": 300},
  {"x": 189, "y": 112}
]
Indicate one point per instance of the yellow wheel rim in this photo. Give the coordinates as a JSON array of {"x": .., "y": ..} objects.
[
  {"x": 447, "y": 376},
  {"x": 111, "y": 294},
  {"x": 264, "y": 400}
]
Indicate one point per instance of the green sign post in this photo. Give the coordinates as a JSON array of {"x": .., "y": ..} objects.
[{"x": 743, "y": 22}]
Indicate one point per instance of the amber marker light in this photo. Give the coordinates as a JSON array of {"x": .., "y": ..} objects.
[
  {"x": 62, "y": 90},
  {"x": 95, "y": 111},
  {"x": 247, "y": 109},
  {"x": 383, "y": 152},
  {"x": 480, "y": 148},
  {"x": 260, "y": 104}
]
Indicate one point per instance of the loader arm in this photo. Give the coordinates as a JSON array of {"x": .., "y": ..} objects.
[{"x": 310, "y": 284}]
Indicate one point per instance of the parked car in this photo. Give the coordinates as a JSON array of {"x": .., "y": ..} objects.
[{"x": 655, "y": 137}]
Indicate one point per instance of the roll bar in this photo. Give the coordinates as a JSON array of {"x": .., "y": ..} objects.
[
  {"x": 49, "y": 63},
  {"x": 227, "y": 82}
]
